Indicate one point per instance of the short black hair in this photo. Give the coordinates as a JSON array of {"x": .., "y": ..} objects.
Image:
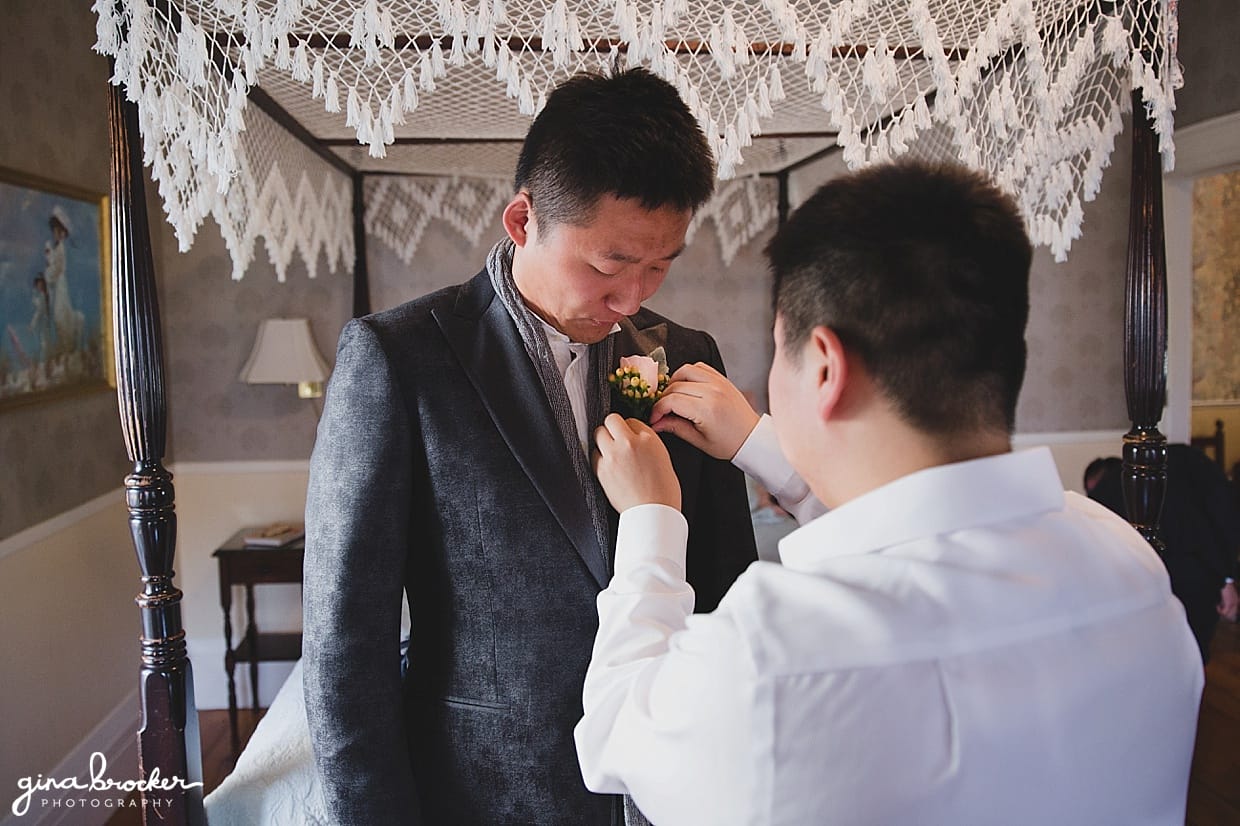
[
  {"x": 923, "y": 272},
  {"x": 1100, "y": 468},
  {"x": 628, "y": 134}
]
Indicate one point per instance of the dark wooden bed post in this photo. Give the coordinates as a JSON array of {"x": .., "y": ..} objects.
[
  {"x": 168, "y": 744},
  {"x": 1145, "y": 333},
  {"x": 361, "y": 277}
]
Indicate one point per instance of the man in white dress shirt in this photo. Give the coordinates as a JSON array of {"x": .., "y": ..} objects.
[{"x": 958, "y": 640}]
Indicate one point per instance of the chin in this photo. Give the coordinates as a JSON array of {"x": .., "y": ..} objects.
[{"x": 589, "y": 334}]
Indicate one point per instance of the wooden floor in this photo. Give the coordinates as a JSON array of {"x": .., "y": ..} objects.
[{"x": 1213, "y": 792}]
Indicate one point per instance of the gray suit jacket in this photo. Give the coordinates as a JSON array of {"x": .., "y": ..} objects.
[{"x": 439, "y": 473}]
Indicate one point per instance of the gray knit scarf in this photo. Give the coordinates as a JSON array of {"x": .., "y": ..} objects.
[{"x": 499, "y": 266}]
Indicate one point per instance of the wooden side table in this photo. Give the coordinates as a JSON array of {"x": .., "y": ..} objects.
[{"x": 241, "y": 564}]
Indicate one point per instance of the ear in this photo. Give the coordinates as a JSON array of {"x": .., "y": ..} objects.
[
  {"x": 518, "y": 218},
  {"x": 826, "y": 358}
]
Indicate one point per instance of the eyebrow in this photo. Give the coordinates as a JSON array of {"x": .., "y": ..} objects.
[{"x": 616, "y": 255}]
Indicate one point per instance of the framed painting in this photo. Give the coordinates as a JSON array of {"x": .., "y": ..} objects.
[{"x": 55, "y": 310}]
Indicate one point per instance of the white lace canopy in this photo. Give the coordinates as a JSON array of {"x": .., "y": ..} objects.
[{"x": 1032, "y": 91}]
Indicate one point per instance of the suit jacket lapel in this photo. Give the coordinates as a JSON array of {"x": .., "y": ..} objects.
[{"x": 491, "y": 352}]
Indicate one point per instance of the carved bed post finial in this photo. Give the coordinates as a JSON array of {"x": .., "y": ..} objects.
[
  {"x": 168, "y": 735},
  {"x": 1145, "y": 333}
]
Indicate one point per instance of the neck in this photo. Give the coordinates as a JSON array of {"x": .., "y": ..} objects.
[
  {"x": 867, "y": 454},
  {"x": 523, "y": 294}
]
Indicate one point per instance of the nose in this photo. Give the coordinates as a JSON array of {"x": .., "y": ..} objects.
[{"x": 626, "y": 299}]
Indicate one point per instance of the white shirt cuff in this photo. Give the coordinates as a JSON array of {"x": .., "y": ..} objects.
[
  {"x": 650, "y": 533},
  {"x": 760, "y": 455},
  {"x": 761, "y": 458}
]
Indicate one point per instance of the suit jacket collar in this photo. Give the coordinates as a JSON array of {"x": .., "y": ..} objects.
[
  {"x": 482, "y": 334},
  {"x": 636, "y": 338}
]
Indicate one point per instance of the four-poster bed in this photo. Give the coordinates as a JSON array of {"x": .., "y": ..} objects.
[{"x": 1032, "y": 91}]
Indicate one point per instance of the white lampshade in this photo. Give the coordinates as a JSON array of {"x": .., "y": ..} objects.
[{"x": 284, "y": 353}]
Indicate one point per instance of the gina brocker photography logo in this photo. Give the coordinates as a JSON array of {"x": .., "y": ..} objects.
[{"x": 96, "y": 790}]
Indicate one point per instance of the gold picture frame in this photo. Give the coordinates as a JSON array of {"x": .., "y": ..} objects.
[{"x": 55, "y": 291}]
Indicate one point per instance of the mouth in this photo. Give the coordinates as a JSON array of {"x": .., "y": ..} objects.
[{"x": 593, "y": 330}]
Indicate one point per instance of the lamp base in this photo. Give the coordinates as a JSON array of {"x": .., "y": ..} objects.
[{"x": 309, "y": 389}]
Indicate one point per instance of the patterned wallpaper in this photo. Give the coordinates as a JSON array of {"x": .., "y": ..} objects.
[
  {"x": 1075, "y": 375},
  {"x": 1209, "y": 32},
  {"x": 55, "y": 454},
  {"x": 209, "y": 326},
  {"x": 445, "y": 257},
  {"x": 1216, "y": 288}
]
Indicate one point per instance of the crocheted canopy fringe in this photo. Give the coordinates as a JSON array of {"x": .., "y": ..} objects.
[
  {"x": 399, "y": 209},
  {"x": 1030, "y": 91}
]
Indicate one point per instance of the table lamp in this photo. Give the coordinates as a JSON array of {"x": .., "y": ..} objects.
[{"x": 284, "y": 353}]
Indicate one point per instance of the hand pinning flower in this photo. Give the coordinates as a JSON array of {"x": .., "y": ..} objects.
[{"x": 639, "y": 381}]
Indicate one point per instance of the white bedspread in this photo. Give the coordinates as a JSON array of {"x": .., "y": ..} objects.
[{"x": 274, "y": 783}]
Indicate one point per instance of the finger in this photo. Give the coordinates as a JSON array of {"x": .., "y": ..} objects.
[
  {"x": 691, "y": 389},
  {"x": 615, "y": 426},
  {"x": 697, "y": 371},
  {"x": 684, "y": 405},
  {"x": 669, "y": 423},
  {"x": 638, "y": 427},
  {"x": 603, "y": 437},
  {"x": 682, "y": 429},
  {"x": 701, "y": 371}
]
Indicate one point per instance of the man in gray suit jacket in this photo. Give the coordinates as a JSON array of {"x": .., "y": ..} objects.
[{"x": 451, "y": 468}]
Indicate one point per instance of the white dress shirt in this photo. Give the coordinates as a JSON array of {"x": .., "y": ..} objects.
[
  {"x": 966, "y": 645},
  {"x": 572, "y": 360}
]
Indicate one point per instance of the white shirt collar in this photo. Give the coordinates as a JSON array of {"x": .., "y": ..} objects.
[{"x": 929, "y": 502}]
